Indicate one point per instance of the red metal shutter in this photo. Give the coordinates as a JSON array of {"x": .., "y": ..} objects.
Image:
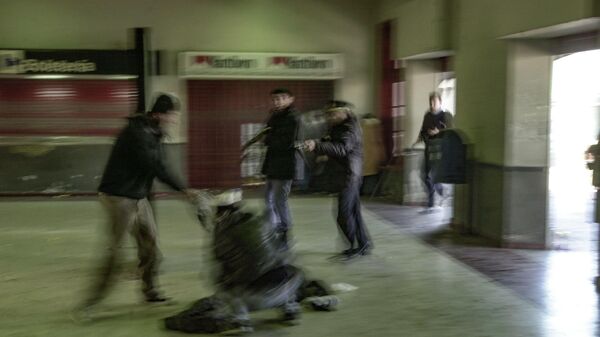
[
  {"x": 35, "y": 107},
  {"x": 218, "y": 108}
]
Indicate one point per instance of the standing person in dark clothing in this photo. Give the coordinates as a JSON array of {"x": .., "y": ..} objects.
[
  {"x": 283, "y": 162},
  {"x": 434, "y": 121},
  {"x": 136, "y": 159},
  {"x": 344, "y": 146}
]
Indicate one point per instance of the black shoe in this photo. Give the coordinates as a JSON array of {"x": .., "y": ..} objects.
[
  {"x": 155, "y": 297},
  {"x": 291, "y": 312},
  {"x": 291, "y": 318},
  {"x": 365, "y": 249},
  {"x": 361, "y": 251},
  {"x": 348, "y": 251},
  {"x": 343, "y": 256}
]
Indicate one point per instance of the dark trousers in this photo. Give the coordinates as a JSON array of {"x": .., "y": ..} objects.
[
  {"x": 427, "y": 175},
  {"x": 349, "y": 219}
]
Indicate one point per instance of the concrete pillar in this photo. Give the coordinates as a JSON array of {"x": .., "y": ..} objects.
[{"x": 525, "y": 186}]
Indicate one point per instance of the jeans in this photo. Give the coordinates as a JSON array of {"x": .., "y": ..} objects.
[
  {"x": 276, "y": 199},
  {"x": 427, "y": 175}
]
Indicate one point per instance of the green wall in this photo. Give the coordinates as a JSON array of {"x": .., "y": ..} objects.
[
  {"x": 291, "y": 26},
  {"x": 308, "y": 26},
  {"x": 481, "y": 61},
  {"x": 472, "y": 30}
]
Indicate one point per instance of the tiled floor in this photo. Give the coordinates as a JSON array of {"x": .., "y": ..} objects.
[
  {"x": 406, "y": 288},
  {"x": 559, "y": 282}
]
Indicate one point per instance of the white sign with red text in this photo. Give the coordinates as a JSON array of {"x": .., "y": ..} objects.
[{"x": 260, "y": 65}]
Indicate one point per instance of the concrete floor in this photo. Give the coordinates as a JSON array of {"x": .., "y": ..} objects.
[{"x": 406, "y": 288}]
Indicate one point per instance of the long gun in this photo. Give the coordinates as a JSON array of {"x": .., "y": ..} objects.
[{"x": 255, "y": 139}]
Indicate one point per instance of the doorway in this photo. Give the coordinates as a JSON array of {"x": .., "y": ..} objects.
[{"x": 574, "y": 126}]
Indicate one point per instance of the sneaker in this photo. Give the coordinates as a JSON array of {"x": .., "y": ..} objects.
[
  {"x": 323, "y": 303},
  {"x": 429, "y": 210},
  {"x": 442, "y": 199},
  {"x": 361, "y": 251},
  {"x": 290, "y": 319},
  {"x": 291, "y": 312}
]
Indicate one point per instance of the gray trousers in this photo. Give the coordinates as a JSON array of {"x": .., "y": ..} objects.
[
  {"x": 127, "y": 216},
  {"x": 276, "y": 200}
]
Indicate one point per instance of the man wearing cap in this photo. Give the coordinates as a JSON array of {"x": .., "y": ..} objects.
[
  {"x": 136, "y": 159},
  {"x": 344, "y": 146}
]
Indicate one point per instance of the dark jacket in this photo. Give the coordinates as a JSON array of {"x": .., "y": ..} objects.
[
  {"x": 283, "y": 160},
  {"x": 441, "y": 120},
  {"x": 136, "y": 159},
  {"x": 245, "y": 247},
  {"x": 344, "y": 145}
]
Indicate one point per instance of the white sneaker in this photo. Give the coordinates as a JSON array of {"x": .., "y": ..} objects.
[
  {"x": 429, "y": 210},
  {"x": 442, "y": 199}
]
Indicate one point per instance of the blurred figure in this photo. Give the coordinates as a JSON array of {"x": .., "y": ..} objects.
[
  {"x": 136, "y": 159},
  {"x": 283, "y": 163},
  {"x": 434, "y": 121},
  {"x": 592, "y": 158},
  {"x": 254, "y": 272},
  {"x": 344, "y": 146}
]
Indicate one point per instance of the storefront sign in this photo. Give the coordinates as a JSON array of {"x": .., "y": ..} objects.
[
  {"x": 260, "y": 65},
  {"x": 68, "y": 62}
]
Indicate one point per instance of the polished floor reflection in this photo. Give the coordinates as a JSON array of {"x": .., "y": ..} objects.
[
  {"x": 560, "y": 282},
  {"x": 407, "y": 287}
]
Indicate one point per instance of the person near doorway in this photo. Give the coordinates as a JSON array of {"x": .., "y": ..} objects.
[
  {"x": 434, "y": 121},
  {"x": 283, "y": 162},
  {"x": 344, "y": 146},
  {"x": 136, "y": 159},
  {"x": 592, "y": 157}
]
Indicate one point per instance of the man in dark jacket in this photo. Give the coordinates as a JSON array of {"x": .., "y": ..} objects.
[
  {"x": 344, "y": 146},
  {"x": 136, "y": 159},
  {"x": 283, "y": 162},
  {"x": 434, "y": 121}
]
